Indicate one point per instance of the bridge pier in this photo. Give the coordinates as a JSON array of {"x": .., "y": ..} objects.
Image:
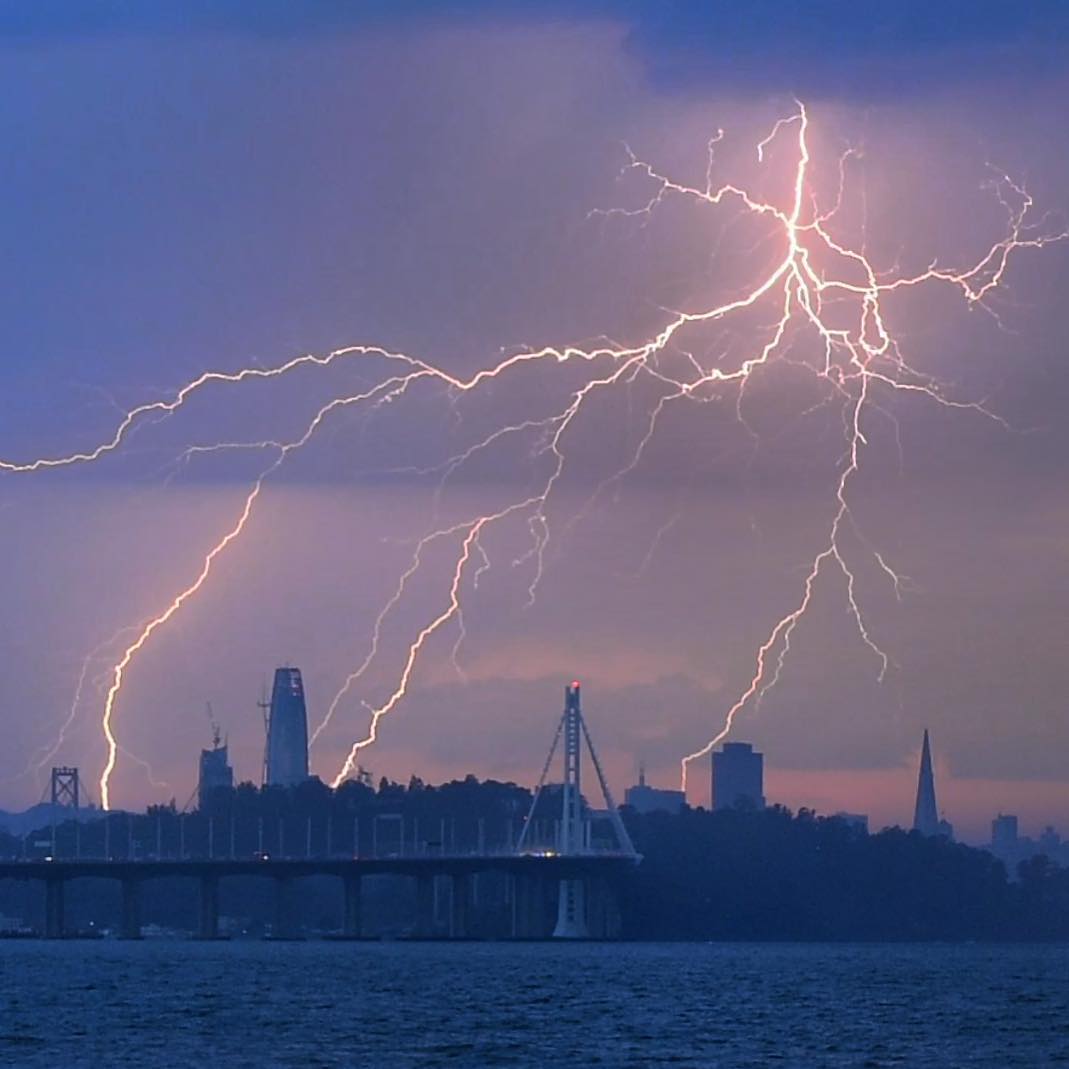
[
  {"x": 285, "y": 909},
  {"x": 54, "y": 909},
  {"x": 209, "y": 907},
  {"x": 571, "y": 910},
  {"x": 352, "y": 891},
  {"x": 528, "y": 907},
  {"x": 131, "y": 909},
  {"x": 603, "y": 909},
  {"x": 424, "y": 906},
  {"x": 459, "y": 905},
  {"x": 591, "y": 885}
]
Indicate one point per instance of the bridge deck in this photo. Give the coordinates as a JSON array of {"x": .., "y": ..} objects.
[{"x": 549, "y": 866}]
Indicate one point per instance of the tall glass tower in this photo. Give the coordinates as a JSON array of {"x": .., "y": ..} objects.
[{"x": 287, "y": 731}]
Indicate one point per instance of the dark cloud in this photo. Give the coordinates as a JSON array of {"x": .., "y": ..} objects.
[
  {"x": 804, "y": 46},
  {"x": 214, "y": 185}
]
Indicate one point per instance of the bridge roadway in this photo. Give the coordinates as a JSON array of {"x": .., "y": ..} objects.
[{"x": 528, "y": 872}]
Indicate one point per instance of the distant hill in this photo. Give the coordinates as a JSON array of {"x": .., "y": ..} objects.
[{"x": 40, "y": 816}]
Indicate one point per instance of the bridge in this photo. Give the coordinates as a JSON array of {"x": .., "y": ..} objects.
[
  {"x": 586, "y": 875},
  {"x": 529, "y": 876}
]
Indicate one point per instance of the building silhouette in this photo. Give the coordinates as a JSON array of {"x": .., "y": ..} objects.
[
  {"x": 215, "y": 772},
  {"x": 926, "y": 812},
  {"x": 1011, "y": 848},
  {"x": 644, "y": 799},
  {"x": 1004, "y": 833},
  {"x": 286, "y": 764},
  {"x": 738, "y": 777}
]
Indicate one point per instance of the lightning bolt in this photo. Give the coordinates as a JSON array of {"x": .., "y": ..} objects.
[
  {"x": 46, "y": 753},
  {"x": 854, "y": 363}
]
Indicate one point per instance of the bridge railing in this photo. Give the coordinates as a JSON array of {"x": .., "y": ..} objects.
[{"x": 183, "y": 837}]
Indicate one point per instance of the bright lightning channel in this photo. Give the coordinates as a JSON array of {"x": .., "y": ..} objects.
[{"x": 855, "y": 362}]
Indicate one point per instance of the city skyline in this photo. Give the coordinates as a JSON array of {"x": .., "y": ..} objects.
[
  {"x": 670, "y": 580},
  {"x": 374, "y": 371},
  {"x": 284, "y": 763}
]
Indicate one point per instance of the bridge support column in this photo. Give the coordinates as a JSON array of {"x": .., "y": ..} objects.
[
  {"x": 603, "y": 909},
  {"x": 571, "y": 911},
  {"x": 424, "y": 906},
  {"x": 459, "y": 905},
  {"x": 285, "y": 919},
  {"x": 351, "y": 923},
  {"x": 528, "y": 914},
  {"x": 515, "y": 893},
  {"x": 53, "y": 909},
  {"x": 209, "y": 907},
  {"x": 131, "y": 909}
]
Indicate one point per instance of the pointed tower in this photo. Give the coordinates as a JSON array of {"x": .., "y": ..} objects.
[
  {"x": 926, "y": 813},
  {"x": 287, "y": 731},
  {"x": 573, "y": 835}
]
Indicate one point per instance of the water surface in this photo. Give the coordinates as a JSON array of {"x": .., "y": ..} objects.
[{"x": 472, "y": 1004}]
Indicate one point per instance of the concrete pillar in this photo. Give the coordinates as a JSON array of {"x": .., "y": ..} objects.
[
  {"x": 131, "y": 909},
  {"x": 603, "y": 909},
  {"x": 209, "y": 907},
  {"x": 595, "y": 907},
  {"x": 528, "y": 907},
  {"x": 571, "y": 911},
  {"x": 53, "y": 909},
  {"x": 351, "y": 923},
  {"x": 285, "y": 903},
  {"x": 424, "y": 906},
  {"x": 460, "y": 905},
  {"x": 517, "y": 892},
  {"x": 512, "y": 888},
  {"x": 614, "y": 921}
]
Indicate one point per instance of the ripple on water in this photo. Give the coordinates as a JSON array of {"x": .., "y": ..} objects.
[{"x": 610, "y": 1005}]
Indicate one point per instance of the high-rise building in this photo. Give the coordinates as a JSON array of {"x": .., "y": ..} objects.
[
  {"x": 738, "y": 777},
  {"x": 644, "y": 799},
  {"x": 215, "y": 772},
  {"x": 287, "y": 731},
  {"x": 925, "y": 812},
  {"x": 1004, "y": 832}
]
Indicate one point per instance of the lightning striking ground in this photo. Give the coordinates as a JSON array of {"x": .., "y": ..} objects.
[{"x": 856, "y": 363}]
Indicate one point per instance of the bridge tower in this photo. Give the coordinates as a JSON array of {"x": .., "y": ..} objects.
[
  {"x": 574, "y": 836},
  {"x": 65, "y": 788},
  {"x": 571, "y": 905}
]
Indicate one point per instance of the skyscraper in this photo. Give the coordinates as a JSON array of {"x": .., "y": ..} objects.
[
  {"x": 926, "y": 813},
  {"x": 287, "y": 731},
  {"x": 1004, "y": 833},
  {"x": 738, "y": 777},
  {"x": 215, "y": 772}
]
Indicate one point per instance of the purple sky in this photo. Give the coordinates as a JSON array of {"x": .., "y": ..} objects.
[{"x": 225, "y": 193}]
